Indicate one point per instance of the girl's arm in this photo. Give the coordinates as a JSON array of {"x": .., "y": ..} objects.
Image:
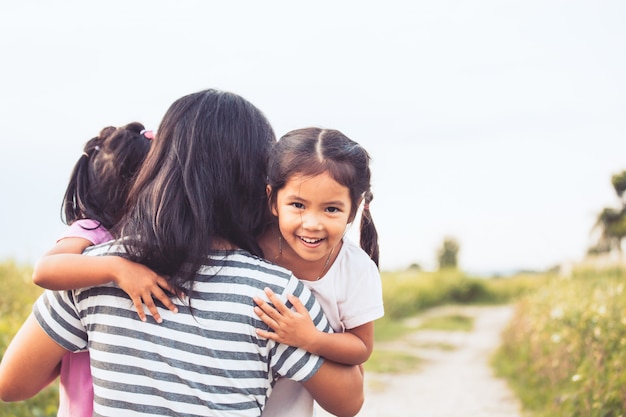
[
  {"x": 295, "y": 328},
  {"x": 63, "y": 269},
  {"x": 52, "y": 275}
]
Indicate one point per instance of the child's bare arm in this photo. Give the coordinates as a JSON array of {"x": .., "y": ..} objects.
[
  {"x": 51, "y": 273},
  {"x": 296, "y": 328},
  {"x": 65, "y": 271}
]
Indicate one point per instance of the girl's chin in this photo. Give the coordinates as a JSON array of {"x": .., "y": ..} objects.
[{"x": 310, "y": 257}]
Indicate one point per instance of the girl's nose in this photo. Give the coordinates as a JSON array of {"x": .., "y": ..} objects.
[{"x": 311, "y": 222}]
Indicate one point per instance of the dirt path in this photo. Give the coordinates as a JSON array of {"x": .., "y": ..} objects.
[{"x": 455, "y": 377}]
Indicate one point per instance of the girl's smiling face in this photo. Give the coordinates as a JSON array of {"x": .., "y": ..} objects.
[{"x": 313, "y": 213}]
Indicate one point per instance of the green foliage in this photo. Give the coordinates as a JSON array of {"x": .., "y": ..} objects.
[
  {"x": 565, "y": 351},
  {"x": 387, "y": 361},
  {"x": 619, "y": 183},
  {"x": 388, "y": 329},
  {"x": 612, "y": 226},
  {"x": 505, "y": 290},
  {"x": 447, "y": 255},
  {"x": 17, "y": 295},
  {"x": 611, "y": 222},
  {"x": 451, "y": 323},
  {"x": 409, "y": 292}
]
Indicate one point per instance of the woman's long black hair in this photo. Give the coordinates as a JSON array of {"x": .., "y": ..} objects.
[{"x": 204, "y": 179}]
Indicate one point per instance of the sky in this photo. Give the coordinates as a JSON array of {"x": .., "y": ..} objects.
[{"x": 496, "y": 123}]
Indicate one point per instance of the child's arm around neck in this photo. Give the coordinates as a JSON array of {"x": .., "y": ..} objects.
[
  {"x": 64, "y": 268},
  {"x": 56, "y": 272}
]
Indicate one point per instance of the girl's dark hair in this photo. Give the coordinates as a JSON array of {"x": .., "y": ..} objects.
[
  {"x": 202, "y": 182},
  {"x": 313, "y": 151},
  {"x": 101, "y": 178}
]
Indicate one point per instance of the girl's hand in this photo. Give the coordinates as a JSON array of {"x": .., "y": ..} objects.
[
  {"x": 143, "y": 285},
  {"x": 294, "y": 328}
]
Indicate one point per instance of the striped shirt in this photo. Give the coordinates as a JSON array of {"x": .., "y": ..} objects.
[{"x": 202, "y": 361}]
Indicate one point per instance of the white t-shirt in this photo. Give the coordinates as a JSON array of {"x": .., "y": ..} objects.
[{"x": 351, "y": 295}]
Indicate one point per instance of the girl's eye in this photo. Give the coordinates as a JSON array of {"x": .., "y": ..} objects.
[
  {"x": 333, "y": 210},
  {"x": 298, "y": 205}
]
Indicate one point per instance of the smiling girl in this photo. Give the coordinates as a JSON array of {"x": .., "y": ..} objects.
[{"x": 317, "y": 179}]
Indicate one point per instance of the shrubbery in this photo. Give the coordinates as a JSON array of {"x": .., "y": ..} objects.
[
  {"x": 565, "y": 351},
  {"x": 17, "y": 295},
  {"x": 408, "y": 292}
]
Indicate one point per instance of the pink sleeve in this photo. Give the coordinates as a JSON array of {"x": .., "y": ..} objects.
[{"x": 87, "y": 229}]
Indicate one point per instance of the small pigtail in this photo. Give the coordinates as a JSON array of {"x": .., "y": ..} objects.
[
  {"x": 94, "y": 145},
  {"x": 88, "y": 153},
  {"x": 369, "y": 235},
  {"x": 75, "y": 204}
]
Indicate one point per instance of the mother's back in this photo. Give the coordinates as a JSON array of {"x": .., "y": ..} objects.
[{"x": 202, "y": 360}]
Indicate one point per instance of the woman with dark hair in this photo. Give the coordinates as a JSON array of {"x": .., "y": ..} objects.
[{"x": 195, "y": 213}]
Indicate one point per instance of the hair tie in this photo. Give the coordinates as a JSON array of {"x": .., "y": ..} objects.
[
  {"x": 366, "y": 206},
  {"x": 148, "y": 134},
  {"x": 94, "y": 149}
]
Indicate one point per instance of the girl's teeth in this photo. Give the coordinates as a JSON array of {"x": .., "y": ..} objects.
[{"x": 310, "y": 240}]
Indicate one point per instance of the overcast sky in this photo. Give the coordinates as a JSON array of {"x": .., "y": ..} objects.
[{"x": 498, "y": 123}]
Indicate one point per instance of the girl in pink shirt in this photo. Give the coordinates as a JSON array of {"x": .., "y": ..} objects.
[{"x": 93, "y": 203}]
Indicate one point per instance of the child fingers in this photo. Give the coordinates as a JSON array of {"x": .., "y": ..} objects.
[
  {"x": 263, "y": 307},
  {"x": 139, "y": 307},
  {"x": 152, "y": 308},
  {"x": 163, "y": 298},
  {"x": 266, "y": 335},
  {"x": 266, "y": 318},
  {"x": 164, "y": 283},
  {"x": 278, "y": 304},
  {"x": 297, "y": 304}
]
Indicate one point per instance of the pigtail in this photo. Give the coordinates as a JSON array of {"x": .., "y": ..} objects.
[
  {"x": 76, "y": 199},
  {"x": 99, "y": 184},
  {"x": 369, "y": 235}
]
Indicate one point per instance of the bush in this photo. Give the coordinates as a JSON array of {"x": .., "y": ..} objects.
[
  {"x": 406, "y": 293},
  {"x": 565, "y": 351}
]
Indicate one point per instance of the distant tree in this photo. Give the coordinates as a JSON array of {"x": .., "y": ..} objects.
[
  {"x": 415, "y": 267},
  {"x": 611, "y": 222},
  {"x": 447, "y": 255},
  {"x": 598, "y": 249},
  {"x": 619, "y": 184}
]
